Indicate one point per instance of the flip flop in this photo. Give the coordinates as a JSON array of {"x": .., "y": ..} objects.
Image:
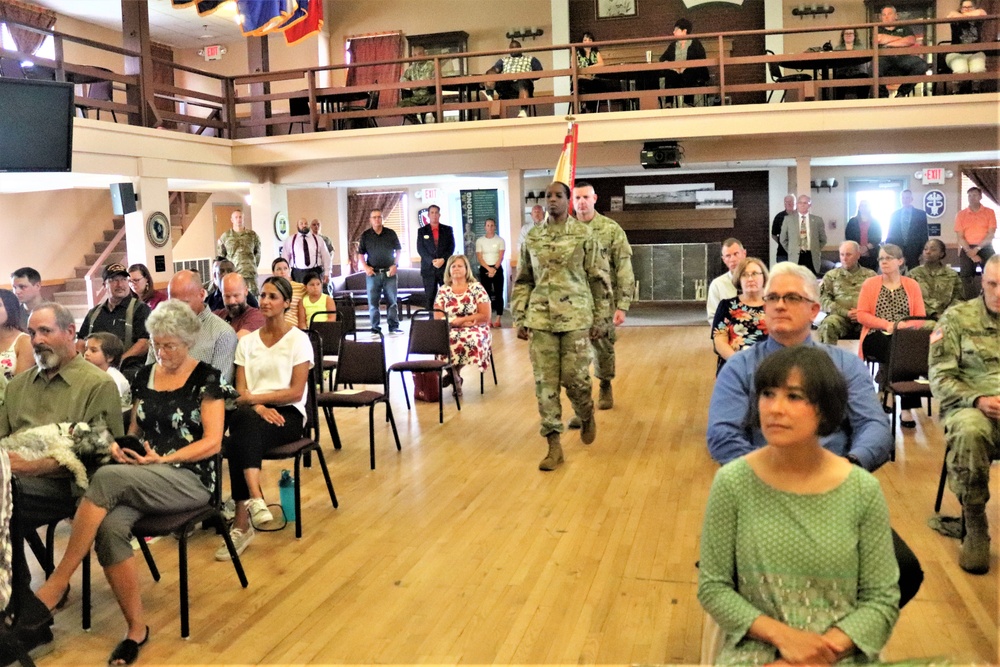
[{"x": 127, "y": 650}]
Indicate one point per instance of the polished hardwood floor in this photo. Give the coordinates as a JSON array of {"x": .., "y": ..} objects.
[{"x": 458, "y": 550}]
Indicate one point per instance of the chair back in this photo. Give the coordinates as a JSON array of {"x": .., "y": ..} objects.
[
  {"x": 346, "y": 313},
  {"x": 774, "y": 69},
  {"x": 362, "y": 362},
  {"x": 315, "y": 379},
  {"x": 908, "y": 351},
  {"x": 429, "y": 335},
  {"x": 330, "y": 333},
  {"x": 100, "y": 90},
  {"x": 373, "y": 100},
  {"x": 11, "y": 69}
]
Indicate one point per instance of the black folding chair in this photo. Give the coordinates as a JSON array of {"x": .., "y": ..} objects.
[
  {"x": 908, "y": 367},
  {"x": 428, "y": 336},
  {"x": 330, "y": 333}
]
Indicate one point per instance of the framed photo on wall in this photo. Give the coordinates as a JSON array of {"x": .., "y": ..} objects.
[{"x": 616, "y": 9}]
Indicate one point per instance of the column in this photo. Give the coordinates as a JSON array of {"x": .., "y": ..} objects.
[
  {"x": 140, "y": 242},
  {"x": 267, "y": 200}
]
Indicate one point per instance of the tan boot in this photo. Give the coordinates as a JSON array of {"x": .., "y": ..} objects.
[
  {"x": 574, "y": 422},
  {"x": 554, "y": 458},
  {"x": 605, "y": 400},
  {"x": 974, "y": 556},
  {"x": 588, "y": 430}
]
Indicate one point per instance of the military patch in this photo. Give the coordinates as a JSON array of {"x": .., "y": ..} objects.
[{"x": 936, "y": 335}]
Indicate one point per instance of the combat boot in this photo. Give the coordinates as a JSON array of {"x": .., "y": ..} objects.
[
  {"x": 588, "y": 430},
  {"x": 554, "y": 458},
  {"x": 574, "y": 422},
  {"x": 974, "y": 556},
  {"x": 605, "y": 400}
]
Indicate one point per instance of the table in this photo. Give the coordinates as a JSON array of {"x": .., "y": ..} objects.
[
  {"x": 633, "y": 81},
  {"x": 823, "y": 68},
  {"x": 327, "y": 103},
  {"x": 466, "y": 92}
]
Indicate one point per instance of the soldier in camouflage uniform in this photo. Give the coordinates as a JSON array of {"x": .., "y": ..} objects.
[
  {"x": 965, "y": 377},
  {"x": 615, "y": 247},
  {"x": 418, "y": 71},
  {"x": 561, "y": 291},
  {"x": 838, "y": 295},
  {"x": 939, "y": 284},
  {"x": 242, "y": 247}
]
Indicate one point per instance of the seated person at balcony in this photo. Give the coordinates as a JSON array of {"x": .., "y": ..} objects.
[
  {"x": 515, "y": 63},
  {"x": 420, "y": 70},
  {"x": 939, "y": 283},
  {"x": 315, "y": 300},
  {"x": 272, "y": 368},
  {"x": 883, "y": 301},
  {"x": 849, "y": 41},
  {"x": 15, "y": 345},
  {"x": 723, "y": 287},
  {"x": 866, "y": 231},
  {"x": 797, "y": 559},
  {"x": 178, "y": 413},
  {"x": 467, "y": 306},
  {"x": 739, "y": 322},
  {"x": 679, "y": 51},
  {"x": 897, "y": 37},
  {"x": 590, "y": 56},
  {"x": 280, "y": 268},
  {"x": 967, "y": 32},
  {"x": 838, "y": 295},
  {"x": 141, "y": 284}
]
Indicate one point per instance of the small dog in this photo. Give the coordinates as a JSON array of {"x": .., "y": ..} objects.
[{"x": 76, "y": 446}]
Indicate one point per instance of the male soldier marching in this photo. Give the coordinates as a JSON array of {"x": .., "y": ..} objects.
[
  {"x": 561, "y": 292},
  {"x": 965, "y": 377},
  {"x": 242, "y": 247},
  {"x": 838, "y": 295}
]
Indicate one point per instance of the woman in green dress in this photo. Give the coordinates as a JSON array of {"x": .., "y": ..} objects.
[{"x": 796, "y": 554}]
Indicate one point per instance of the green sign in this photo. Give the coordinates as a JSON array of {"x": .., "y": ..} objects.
[{"x": 477, "y": 206}]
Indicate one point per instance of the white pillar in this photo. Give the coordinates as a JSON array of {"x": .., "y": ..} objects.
[
  {"x": 803, "y": 177},
  {"x": 267, "y": 200},
  {"x": 153, "y": 197},
  {"x": 342, "y": 224},
  {"x": 560, "y": 59}
]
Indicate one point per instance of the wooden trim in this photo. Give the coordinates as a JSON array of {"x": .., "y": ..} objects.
[{"x": 698, "y": 218}]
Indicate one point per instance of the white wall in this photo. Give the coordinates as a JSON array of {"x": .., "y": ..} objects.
[{"x": 199, "y": 239}]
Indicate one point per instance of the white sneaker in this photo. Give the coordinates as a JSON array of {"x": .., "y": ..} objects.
[
  {"x": 241, "y": 540},
  {"x": 229, "y": 510},
  {"x": 522, "y": 114},
  {"x": 430, "y": 118},
  {"x": 259, "y": 514}
]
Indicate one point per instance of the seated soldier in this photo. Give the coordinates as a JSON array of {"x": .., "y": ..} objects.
[
  {"x": 838, "y": 294},
  {"x": 514, "y": 63},
  {"x": 939, "y": 283},
  {"x": 420, "y": 70}
]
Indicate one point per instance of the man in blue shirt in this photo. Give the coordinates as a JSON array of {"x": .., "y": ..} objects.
[{"x": 791, "y": 302}]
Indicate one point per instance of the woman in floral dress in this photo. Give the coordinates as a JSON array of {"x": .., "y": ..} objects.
[
  {"x": 467, "y": 305},
  {"x": 739, "y": 322}
]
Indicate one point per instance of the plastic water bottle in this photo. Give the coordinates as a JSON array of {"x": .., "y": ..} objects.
[{"x": 286, "y": 488}]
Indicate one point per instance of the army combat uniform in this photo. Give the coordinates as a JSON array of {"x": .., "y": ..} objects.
[
  {"x": 941, "y": 287},
  {"x": 838, "y": 293},
  {"x": 964, "y": 365},
  {"x": 420, "y": 71},
  {"x": 243, "y": 250},
  {"x": 561, "y": 291}
]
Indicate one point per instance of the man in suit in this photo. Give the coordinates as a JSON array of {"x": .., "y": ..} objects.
[
  {"x": 435, "y": 244},
  {"x": 908, "y": 230},
  {"x": 803, "y": 235}
]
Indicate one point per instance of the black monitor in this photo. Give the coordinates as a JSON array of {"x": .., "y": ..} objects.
[{"x": 36, "y": 125}]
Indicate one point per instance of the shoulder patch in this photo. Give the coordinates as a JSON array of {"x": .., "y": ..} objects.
[{"x": 936, "y": 335}]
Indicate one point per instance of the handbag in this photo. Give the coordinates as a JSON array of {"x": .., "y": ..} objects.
[{"x": 426, "y": 387}]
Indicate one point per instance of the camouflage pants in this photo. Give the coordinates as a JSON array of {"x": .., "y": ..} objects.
[
  {"x": 561, "y": 358},
  {"x": 604, "y": 352},
  {"x": 973, "y": 442},
  {"x": 250, "y": 276},
  {"x": 834, "y": 327}
]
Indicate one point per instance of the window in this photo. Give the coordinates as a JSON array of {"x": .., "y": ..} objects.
[
  {"x": 986, "y": 201},
  {"x": 46, "y": 50},
  {"x": 882, "y": 197},
  {"x": 396, "y": 221}
]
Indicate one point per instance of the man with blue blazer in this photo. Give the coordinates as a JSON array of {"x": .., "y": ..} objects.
[
  {"x": 908, "y": 230},
  {"x": 803, "y": 235},
  {"x": 435, "y": 244}
]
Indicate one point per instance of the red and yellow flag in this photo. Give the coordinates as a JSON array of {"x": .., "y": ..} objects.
[{"x": 566, "y": 167}]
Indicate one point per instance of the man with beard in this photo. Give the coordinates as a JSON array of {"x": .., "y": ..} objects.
[
  {"x": 243, "y": 317},
  {"x": 306, "y": 252},
  {"x": 122, "y": 314},
  {"x": 222, "y": 267}
]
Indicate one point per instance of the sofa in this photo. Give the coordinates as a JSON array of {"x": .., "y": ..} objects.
[{"x": 409, "y": 292}]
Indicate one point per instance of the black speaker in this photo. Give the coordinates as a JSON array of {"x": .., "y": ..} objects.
[{"x": 123, "y": 198}]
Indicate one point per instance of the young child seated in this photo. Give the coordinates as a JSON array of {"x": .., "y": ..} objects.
[
  {"x": 104, "y": 350},
  {"x": 314, "y": 301}
]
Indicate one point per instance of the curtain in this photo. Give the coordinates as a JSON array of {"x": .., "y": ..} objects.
[
  {"x": 25, "y": 40},
  {"x": 375, "y": 49},
  {"x": 987, "y": 179},
  {"x": 359, "y": 207}
]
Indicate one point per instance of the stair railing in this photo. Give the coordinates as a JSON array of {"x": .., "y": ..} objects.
[{"x": 96, "y": 292}]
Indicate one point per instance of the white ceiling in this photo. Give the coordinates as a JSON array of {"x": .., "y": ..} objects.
[{"x": 180, "y": 28}]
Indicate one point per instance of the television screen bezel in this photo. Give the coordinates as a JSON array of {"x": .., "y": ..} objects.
[{"x": 69, "y": 90}]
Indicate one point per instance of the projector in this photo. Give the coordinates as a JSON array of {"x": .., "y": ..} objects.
[{"x": 661, "y": 155}]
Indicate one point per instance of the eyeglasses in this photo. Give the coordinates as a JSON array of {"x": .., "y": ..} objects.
[
  {"x": 752, "y": 274},
  {"x": 790, "y": 299},
  {"x": 885, "y": 258},
  {"x": 166, "y": 347}
]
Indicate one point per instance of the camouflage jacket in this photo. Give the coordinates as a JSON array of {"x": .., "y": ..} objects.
[
  {"x": 965, "y": 355},
  {"x": 940, "y": 286},
  {"x": 616, "y": 248},
  {"x": 562, "y": 279},
  {"x": 242, "y": 248},
  {"x": 838, "y": 293}
]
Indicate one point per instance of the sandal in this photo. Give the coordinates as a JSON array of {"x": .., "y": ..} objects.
[{"x": 127, "y": 650}]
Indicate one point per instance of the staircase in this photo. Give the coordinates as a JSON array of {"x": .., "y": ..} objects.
[
  {"x": 184, "y": 206},
  {"x": 74, "y": 293}
]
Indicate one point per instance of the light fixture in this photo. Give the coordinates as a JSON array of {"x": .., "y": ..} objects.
[
  {"x": 813, "y": 10},
  {"x": 524, "y": 33},
  {"x": 828, "y": 183},
  {"x": 530, "y": 197}
]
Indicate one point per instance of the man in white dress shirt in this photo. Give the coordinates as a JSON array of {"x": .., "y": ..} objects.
[
  {"x": 305, "y": 252},
  {"x": 723, "y": 287}
]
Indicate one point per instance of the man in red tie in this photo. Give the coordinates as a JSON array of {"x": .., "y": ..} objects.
[{"x": 435, "y": 244}]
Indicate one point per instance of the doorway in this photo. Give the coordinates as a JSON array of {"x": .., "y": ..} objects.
[
  {"x": 221, "y": 214},
  {"x": 882, "y": 196}
]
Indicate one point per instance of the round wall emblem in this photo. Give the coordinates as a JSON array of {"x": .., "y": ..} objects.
[
  {"x": 157, "y": 229},
  {"x": 281, "y": 226}
]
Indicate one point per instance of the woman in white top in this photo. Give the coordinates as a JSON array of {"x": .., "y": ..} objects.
[
  {"x": 15, "y": 345},
  {"x": 489, "y": 252},
  {"x": 272, "y": 368}
]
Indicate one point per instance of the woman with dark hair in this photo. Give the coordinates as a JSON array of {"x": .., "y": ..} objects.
[
  {"x": 940, "y": 284},
  {"x": 142, "y": 286},
  {"x": 272, "y": 368},
  {"x": 967, "y": 32},
  {"x": 739, "y": 322},
  {"x": 16, "y": 354},
  {"x": 851, "y": 41},
  {"x": 590, "y": 56},
  {"x": 797, "y": 561},
  {"x": 679, "y": 51},
  {"x": 866, "y": 231}
]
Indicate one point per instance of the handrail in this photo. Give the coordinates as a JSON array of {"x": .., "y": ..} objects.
[{"x": 93, "y": 293}]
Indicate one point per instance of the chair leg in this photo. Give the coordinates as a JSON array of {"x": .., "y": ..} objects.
[
  {"x": 944, "y": 477},
  {"x": 392, "y": 422},
  {"x": 406, "y": 394},
  {"x": 40, "y": 550},
  {"x": 440, "y": 397},
  {"x": 235, "y": 557},
  {"x": 482, "y": 384},
  {"x": 371, "y": 432},
  {"x": 894, "y": 418},
  {"x": 331, "y": 425},
  {"x": 182, "y": 566},
  {"x": 149, "y": 558},
  {"x": 85, "y": 596},
  {"x": 326, "y": 476},
  {"x": 298, "y": 496},
  {"x": 493, "y": 368}
]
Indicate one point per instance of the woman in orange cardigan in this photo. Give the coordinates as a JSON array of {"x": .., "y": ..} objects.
[{"x": 884, "y": 300}]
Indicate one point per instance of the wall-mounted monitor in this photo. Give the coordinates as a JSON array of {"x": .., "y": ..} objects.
[{"x": 36, "y": 125}]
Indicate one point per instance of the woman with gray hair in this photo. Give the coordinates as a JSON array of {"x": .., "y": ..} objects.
[{"x": 166, "y": 466}]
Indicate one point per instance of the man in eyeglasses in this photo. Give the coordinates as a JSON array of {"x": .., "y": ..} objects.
[{"x": 791, "y": 302}]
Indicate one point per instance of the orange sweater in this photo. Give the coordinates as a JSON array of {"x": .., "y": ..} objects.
[{"x": 869, "y": 297}]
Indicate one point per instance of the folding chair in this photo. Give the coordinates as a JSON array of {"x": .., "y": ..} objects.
[
  {"x": 908, "y": 350},
  {"x": 428, "y": 336},
  {"x": 330, "y": 333}
]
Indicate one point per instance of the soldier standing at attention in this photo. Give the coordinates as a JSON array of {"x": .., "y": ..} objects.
[
  {"x": 939, "y": 283},
  {"x": 838, "y": 295},
  {"x": 242, "y": 247},
  {"x": 561, "y": 292},
  {"x": 965, "y": 377}
]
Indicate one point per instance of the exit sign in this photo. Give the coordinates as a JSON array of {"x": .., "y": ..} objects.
[
  {"x": 932, "y": 175},
  {"x": 429, "y": 194},
  {"x": 213, "y": 52}
]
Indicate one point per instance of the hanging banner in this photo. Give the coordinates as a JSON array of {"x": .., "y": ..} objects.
[{"x": 477, "y": 206}]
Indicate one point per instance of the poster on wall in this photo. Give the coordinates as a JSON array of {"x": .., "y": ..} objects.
[{"x": 477, "y": 206}]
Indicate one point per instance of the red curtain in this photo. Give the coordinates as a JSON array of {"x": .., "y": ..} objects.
[
  {"x": 986, "y": 179},
  {"x": 359, "y": 207},
  {"x": 26, "y": 40},
  {"x": 371, "y": 50}
]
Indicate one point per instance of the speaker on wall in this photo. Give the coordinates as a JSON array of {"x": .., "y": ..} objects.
[{"x": 123, "y": 198}]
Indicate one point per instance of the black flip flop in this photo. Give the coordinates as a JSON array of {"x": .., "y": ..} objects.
[{"x": 128, "y": 650}]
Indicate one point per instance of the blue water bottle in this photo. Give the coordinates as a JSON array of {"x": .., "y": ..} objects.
[{"x": 286, "y": 488}]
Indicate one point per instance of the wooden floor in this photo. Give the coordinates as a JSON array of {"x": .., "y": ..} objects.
[{"x": 458, "y": 550}]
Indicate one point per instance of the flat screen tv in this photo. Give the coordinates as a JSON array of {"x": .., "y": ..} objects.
[{"x": 36, "y": 125}]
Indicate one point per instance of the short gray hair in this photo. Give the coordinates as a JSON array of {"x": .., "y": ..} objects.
[
  {"x": 174, "y": 318},
  {"x": 802, "y": 273},
  {"x": 854, "y": 245},
  {"x": 64, "y": 318}
]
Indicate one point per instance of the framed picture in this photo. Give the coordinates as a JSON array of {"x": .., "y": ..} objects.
[{"x": 616, "y": 9}]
